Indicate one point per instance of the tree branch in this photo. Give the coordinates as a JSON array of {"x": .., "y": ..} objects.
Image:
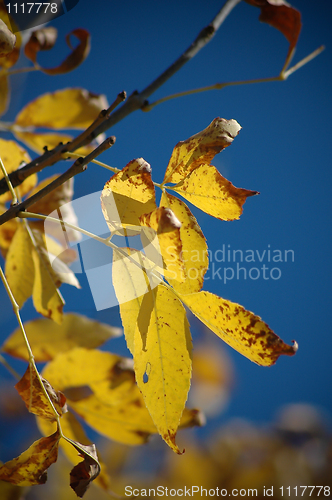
[
  {"x": 78, "y": 166},
  {"x": 56, "y": 154}
]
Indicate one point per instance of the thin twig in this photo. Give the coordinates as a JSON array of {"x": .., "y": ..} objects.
[
  {"x": 218, "y": 86},
  {"x": 78, "y": 166},
  {"x": 137, "y": 100}
]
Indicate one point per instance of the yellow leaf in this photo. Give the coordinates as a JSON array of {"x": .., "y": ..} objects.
[
  {"x": 241, "y": 329},
  {"x": 101, "y": 388},
  {"x": 7, "y": 231},
  {"x": 211, "y": 192},
  {"x": 127, "y": 195},
  {"x": 72, "y": 108},
  {"x": 73, "y": 430},
  {"x": 19, "y": 268},
  {"x": 194, "y": 248},
  {"x": 131, "y": 282},
  {"x": 32, "y": 393},
  {"x": 31, "y": 466},
  {"x": 37, "y": 141},
  {"x": 162, "y": 359},
  {"x": 12, "y": 155},
  {"x": 47, "y": 339},
  {"x": 164, "y": 223},
  {"x": 200, "y": 148}
]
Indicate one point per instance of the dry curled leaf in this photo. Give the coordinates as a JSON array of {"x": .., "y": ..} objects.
[
  {"x": 31, "y": 466},
  {"x": 44, "y": 39},
  {"x": 281, "y": 16},
  {"x": 86, "y": 471},
  {"x": 7, "y": 39},
  {"x": 10, "y": 46},
  {"x": 32, "y": 389}
]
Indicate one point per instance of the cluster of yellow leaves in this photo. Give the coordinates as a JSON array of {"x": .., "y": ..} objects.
[
  {"x": 97, "y": 386},
  {"x": 28, "y": 250},
  {"x": 152, "y": 309}
]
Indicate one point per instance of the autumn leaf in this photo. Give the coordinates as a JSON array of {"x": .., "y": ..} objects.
[
  {"x": 7, "y": 232},
  {"x": 205, "y": 188},
  {"x": 33, "y": 394},
  {"x": 10, "y": 43},
  {"x": 281, "y": 16},
  {"x": 45, "y": 38},
  {"x": 162, "y": 359},
  {"x": 239, "y": 328},
  {"x": 194, "y": 248},
  {"x": 47, "y": 339},
  {"x": 31, "y": 466},
  {"x": 128, "y": 195},
  {"x": 164, "y": 224},
  {"x": 13, "y": 156},
  {"x": 74, "y": 433},
  {"x": 131, "y": 282},
  {"x": 86, "y": 471},
  {"x": 100, "y": 387},
  {"x": 72, "y": 108},
  {"x": 7, "y": 39},
  {"x": 200, "y": 148}
]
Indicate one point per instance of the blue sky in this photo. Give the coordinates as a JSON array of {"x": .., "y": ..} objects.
[{"x": 282, "y": 151}]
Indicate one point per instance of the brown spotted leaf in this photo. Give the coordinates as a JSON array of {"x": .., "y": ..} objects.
[
  {"x": 32, "y": 392},
  {"x": 239, "y": 328},
  {"x": 31, "y": 466},
  {"x": 163, "y": 223},
  {"x": 200, "y": 148},
  {"x": 44, "y": 39},
  {"x": 128, "y": 195},
  {"x": 281, "y": 16},
  {"x": 208, "y": 190},
  {"x": 194, "y": 248}
]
